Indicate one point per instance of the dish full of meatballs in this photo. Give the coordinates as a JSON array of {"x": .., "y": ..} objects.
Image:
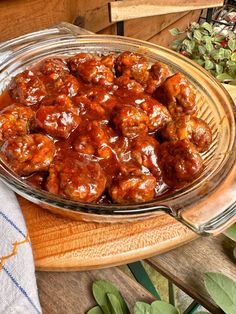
[{"x": 107, "y": 129}]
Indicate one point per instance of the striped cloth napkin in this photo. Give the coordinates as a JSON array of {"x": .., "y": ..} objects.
[{"x": 18, "y": 290}]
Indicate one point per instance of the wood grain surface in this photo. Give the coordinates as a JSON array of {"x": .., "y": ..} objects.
[
  {"x": 130, "y": 9},
  {"x": 186, "y": 265},
  {"x": 61, "y": 244},
  {"x": 71, "y": 293}
]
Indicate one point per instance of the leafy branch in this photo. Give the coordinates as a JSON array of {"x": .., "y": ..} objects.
[{"x": 213, "y": 51}]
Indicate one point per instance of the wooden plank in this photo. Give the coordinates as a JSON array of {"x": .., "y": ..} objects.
[
  {"x": 95, "y": 19},
  {"x": 126, "y": 10},
  {"x": 147, "y": 27},
  {"x": 186, "y": 265},
  {"x": 164, "y": 38},
  {"x": 61, "y": 244},
  {"x": 61, "y": 293},
  {"x": 23, "y": 16},
  {"x": 110, "y": 30}
]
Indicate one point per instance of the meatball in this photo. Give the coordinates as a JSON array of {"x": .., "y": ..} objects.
[
  {"x": 29, "y": 153},
  {"x": 67, "y": 84},
  {"x": 77, "y": 178},
  {"x": 96, "y": 139},
  {"x": 157, "y": 113},
  {"x": 54, "y": 67},
  {"x": 15, "y": 120},
  {"x": 58, "y": 120},
  {"x": 132, "y": 185},
  {"x": 131, "y": 121},
  {"x": 180, "y": 163},
  {"x": 194, "y": 129},
  {"x": 177, "y": 95},
  {"x": 26, "y": 88},
  {"x": 109, "y": 61},
  {"x": 91, "y": 70},
  {"x": 157, "y": 75},
  {"x": 126, "y": 85},
  {"x": 144, "y": 150},
  {"x": 132, "y": 65}
]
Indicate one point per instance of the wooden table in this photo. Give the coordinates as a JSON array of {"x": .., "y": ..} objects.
[{"x": 184, "y": 266}]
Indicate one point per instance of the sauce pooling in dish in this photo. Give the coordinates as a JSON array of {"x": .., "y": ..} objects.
[{"x": 107, "y": 129}]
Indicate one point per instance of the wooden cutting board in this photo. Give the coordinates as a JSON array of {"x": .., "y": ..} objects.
[{"x": 61, "y": 244}]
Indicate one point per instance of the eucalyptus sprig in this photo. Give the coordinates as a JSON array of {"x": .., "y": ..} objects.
[{"x": 214, "y": 51}]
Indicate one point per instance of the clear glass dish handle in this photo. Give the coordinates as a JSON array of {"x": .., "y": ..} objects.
[{"x": 209, "y": 216}]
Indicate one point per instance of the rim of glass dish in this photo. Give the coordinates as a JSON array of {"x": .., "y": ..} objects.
[{"x": 161, "y": 203}]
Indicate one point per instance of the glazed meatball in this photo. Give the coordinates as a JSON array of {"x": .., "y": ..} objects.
[
  {"x": 132, "y": 65},
  {"x": 132, "y": 185},
  {"x": 26, "y": 88},
  {"x": 109, "y": 61},
  {"x": 91, "y": 70},
  {"x": 58, "y": 120},
  {"x": 96, "y": 139},
  {"x": 177, "y": 95},
  {"x": 15, "y": 120},
  {"x": 144, "y": 150},
  {"x": 54, "y": 67},
  {"x": 67, "y": 84},
  {"x": 157, "y": 75},
  {"x": 131, "y": 121},
  {"x": 29, "y": 153},
  {"x": 157, "y": 113},
  {"x": 126, "y": 85},
  {"x": 180, "y": 163},
  {"x": 79, "y": 179},
  {"x": 194, "y": 129}
]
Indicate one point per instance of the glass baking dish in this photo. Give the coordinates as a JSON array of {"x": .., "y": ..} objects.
[{"x": 207, "y": 205}]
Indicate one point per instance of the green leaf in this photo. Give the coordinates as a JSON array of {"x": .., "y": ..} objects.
[
  {"x": 232, "y": 44},
  {"x": 231, "y": 65},
  {"x": 190, "y": 35},
  {"x": 233, "y": 56},
  {"x": 176, "y": 45},
  {"x": 219, "y": 38},
  {"x": 231, "y": 232},
  {"x": 142, "y": 308},
  {"x": 175, "y": 31},
  {"x": 221, "y": 53},
  {"x": 227, "y": 53},
  {"x": 222, "y": 289},
  {"x": 189, "y": 44},
  {"x": 95, "y": 310},
  {"x": 197, "y": 34},
  {"x": 234, "y": 252},
  {"x": 160, "y": 307},
  {"x": 202, "y": 50},
  {"x": 100, "y": 290},
  {"x": 209, "y": 65},
  {"x": 199, "y": 61},
  {"x": 115, "y": 304},
  {"x": 209, "y": 46},
  {"x": 207, "y": 26},
  {"x": 219, "y": 69},
  {"x": 224, "y": 77}
]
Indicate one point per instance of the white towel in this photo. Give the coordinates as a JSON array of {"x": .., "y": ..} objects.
[{"x": 18, "y": 289}]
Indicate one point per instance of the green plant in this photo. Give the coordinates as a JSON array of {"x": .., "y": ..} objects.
[
  {"x": 221, "y": 288},
  {"x": 213, "y": 51}
]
